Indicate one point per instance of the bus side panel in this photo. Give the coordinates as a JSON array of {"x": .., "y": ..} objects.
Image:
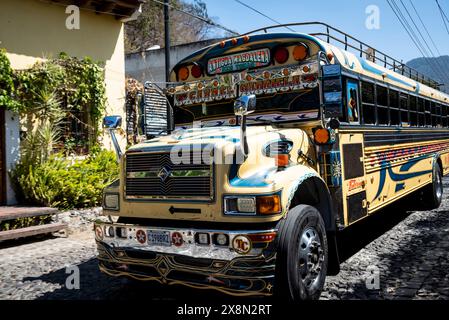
[
  {"x": 445, "y": 162},
  {"x": 392, "y": 181}
]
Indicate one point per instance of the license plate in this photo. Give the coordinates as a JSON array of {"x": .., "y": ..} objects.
[{"x": 159, "y": 238}]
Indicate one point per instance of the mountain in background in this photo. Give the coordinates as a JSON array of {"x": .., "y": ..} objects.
[{"x": 423, "y": 65}]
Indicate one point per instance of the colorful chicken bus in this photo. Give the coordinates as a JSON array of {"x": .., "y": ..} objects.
[{"x": 275, "y": 143}]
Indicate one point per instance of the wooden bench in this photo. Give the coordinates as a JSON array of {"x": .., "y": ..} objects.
[{"x": 14, "y": 213}]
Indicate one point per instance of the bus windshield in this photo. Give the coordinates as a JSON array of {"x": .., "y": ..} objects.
[{"x": 278, "y": 107}]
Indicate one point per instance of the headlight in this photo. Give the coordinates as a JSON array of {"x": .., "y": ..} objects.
[
  {"x": 111, "y": 202},
  {"x": 251, "y": 206},
  {"x": 240, "y": 205}
]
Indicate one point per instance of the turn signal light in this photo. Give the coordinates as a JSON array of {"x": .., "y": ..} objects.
[
  {"x": 281, "y": 55},
  {"x": 183, "y": 73},
  {"x": 269, "y": 205},
  {"x": 300, "y": 52},
  {"x": 282, "y": 160},
  {"x": 322, "y": 136}
]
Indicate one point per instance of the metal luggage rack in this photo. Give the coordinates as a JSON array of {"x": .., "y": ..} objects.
[{"x": 361, "y": 48}]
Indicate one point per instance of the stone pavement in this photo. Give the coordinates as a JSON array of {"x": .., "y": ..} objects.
[{"x": 409, "y": 250}]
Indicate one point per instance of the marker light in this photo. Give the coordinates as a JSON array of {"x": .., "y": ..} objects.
[
  {"x": 196, "y": 71},
  {"x": 281, "y": 55},
  {"x": 263, "y": 237},
  {"x": 330, "y": 56},
  {"x": 183, "y": 73},
  {"x": 300, "y": 52},
  {"x": 269, "y": 205},
  {"x": 322, "y": 136}
]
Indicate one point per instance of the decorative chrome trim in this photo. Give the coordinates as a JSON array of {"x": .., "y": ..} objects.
[{"x": 190, "y": 248}]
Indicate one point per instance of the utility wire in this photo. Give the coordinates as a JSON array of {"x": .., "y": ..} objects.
[
  {"x": 443, "y": 61},
  {"x": 443, "y": 16},
  {"x": 404, "y": 24},
  {"x": 262, "y": 14},
  {"x": 425, "y": 28},
  {"x": 436, "y": 62},
  {"x": 205, "y": 20}
]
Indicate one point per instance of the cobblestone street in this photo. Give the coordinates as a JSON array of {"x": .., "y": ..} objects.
[{"x": 411, "y": 251}]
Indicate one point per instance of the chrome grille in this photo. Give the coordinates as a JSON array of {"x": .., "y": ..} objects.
[{"x": 155, "y": 176}]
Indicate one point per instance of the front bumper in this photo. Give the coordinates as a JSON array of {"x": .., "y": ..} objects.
[{"x": 209, "y": 266}]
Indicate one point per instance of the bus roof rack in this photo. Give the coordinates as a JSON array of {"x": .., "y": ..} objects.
[{"x": 361, "y": 48}]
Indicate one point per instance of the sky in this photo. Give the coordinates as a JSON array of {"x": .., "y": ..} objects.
[{"x": 348, "y": 15}]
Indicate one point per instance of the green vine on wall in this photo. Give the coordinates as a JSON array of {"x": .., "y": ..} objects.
[
  {"x": 7, "y": 89},
  {"x": 55, "y": 90}
]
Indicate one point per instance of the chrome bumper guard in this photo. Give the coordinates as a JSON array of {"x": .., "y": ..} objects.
[{"x": 243, "y": 266}]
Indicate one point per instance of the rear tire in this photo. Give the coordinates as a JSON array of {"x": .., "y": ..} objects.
[
  {"x": 302, "y": 255},
  {"x": 432, "y": 195}
]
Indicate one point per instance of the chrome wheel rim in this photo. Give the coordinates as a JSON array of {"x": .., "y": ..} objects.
[{"x": 311, "y": 259}]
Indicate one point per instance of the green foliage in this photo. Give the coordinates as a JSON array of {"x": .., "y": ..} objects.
[
  {"x": 7, "y": 89},
  {"x": 50, "y": 97},
  {"x": 56, "y": 89},
  {"x": 64, "y": 183}
]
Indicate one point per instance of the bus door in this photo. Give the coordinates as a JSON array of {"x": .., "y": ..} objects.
[{"x": 352, "y": 153}]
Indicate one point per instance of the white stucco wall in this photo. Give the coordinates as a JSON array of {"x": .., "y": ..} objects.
[{"x": 12, "y": 142}]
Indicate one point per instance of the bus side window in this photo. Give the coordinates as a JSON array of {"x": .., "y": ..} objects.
[
  {"x": 352, "y": 101},
  {"x": 422, "y": 113},
  {"x": 394, "y": 108},
  {"x": 403, "y": 104},
  {"x": 444, "y": 115},
  {"x": 368, "y": 105},
  {"x": 382, "y": 106},
  {"x": 413, "y": 111},
  {"x": 428, "y": 113}
]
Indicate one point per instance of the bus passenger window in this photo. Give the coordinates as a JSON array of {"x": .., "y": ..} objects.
[
  {"x": 444, "y": 115},
  {"x": 421, "y": 115},
  {"x": 368, "y": 106},
  {"x": 428, "y": 114},
  {"x": 404, "y": 109},
  {"x": 352, "y": 90},
  {"x": 395, "y": 118},
  {"x": 413, "y": 111},
  {"x": 434, "y": 112},
  {"x": 382, "y": 106}
]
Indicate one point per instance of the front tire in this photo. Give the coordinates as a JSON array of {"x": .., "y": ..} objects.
[{"x": 302, "y": 255}]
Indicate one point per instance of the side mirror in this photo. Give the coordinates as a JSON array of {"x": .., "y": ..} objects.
[
  {"x": 245, "y": 105},
  {"x": 112, "y": 122}
]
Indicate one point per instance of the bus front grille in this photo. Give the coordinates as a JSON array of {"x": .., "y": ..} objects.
[{"x": 165, "y": 176}]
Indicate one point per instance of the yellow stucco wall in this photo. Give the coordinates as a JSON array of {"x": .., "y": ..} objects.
[{"x": 33, "y": 29}]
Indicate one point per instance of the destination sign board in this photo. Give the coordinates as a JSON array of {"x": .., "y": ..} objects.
[{"x": 239, "y": 61}]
